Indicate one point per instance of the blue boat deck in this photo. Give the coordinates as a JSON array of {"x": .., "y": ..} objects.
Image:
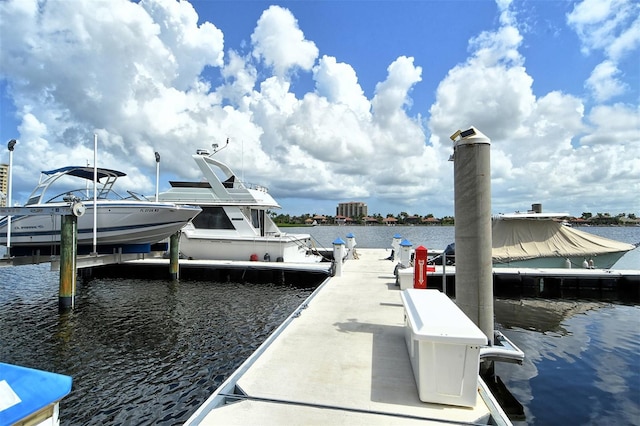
[{"x": 29, "y": 396}]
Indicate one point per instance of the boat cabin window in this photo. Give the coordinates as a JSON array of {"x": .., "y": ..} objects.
[{"x": 212, "y": 218}]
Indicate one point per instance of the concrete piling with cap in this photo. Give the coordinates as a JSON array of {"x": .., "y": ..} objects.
[{"x": 472, "y": 198}]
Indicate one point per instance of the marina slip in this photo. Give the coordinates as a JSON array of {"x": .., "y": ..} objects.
[
  {"x": 153, "y": 351},
  {"x": 340, "y": 358}
]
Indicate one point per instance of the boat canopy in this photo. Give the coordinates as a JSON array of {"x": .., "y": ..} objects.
[
  {"x": 523, "y": 239},
  {"x": 84, "y": 172},
  {"x": 48, "y": 180}
]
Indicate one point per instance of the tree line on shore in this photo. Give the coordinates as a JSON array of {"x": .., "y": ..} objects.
[{"x": 403, "y": 218}]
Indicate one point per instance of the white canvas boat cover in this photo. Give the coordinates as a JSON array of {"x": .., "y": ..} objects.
[{"x": 522, "y": 239}]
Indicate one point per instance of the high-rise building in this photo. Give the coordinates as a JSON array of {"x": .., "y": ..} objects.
[
  {"x": 4, "y": 181},
  {"x": 352, "y": 209}
]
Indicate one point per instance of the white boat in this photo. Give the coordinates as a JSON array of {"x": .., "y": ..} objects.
[
  {"x": 129, "y": 224},
  {"x": 235, "y": 222},
  {"x": 540, "y": 240}
]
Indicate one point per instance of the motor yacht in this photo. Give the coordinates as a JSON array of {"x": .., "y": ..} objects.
[{"x": 235, "y": 223}]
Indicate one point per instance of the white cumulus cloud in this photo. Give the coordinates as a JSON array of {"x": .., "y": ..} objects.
[{"x": 152, "y": 76}]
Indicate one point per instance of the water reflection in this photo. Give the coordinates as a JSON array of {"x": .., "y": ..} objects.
[
  {"x": 581, "y": 364},
  {"x": 540, "y": 315}
]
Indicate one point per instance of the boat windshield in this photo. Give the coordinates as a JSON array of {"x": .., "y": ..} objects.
[{"x": 212, "y": 218}]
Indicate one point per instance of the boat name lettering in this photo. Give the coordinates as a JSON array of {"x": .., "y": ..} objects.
[{"x": 149, "y": 210}]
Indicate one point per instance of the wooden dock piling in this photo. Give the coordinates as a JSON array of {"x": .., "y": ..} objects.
[
  {"x": 68, "y": 249},
  {"x": 174, "y": 254}
]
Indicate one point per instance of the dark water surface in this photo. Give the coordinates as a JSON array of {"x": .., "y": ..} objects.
[
  {"x": 139, "y": 352},
  {"x": 150, "y": 352}
]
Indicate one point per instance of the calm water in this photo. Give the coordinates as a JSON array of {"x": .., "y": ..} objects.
[{"x": 150, "y": 352}]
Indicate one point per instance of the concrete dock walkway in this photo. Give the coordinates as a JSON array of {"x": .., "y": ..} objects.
[{"x": 342, "y": 360}]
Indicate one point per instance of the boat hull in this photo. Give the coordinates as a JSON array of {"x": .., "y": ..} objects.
[
  {"x": 292, "y": 248},
  {"x": 118, "y": 224},
  {"x": 600, "y": 261}
]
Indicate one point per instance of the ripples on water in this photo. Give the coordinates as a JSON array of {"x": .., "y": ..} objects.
[{"x": 139, "y": 352}]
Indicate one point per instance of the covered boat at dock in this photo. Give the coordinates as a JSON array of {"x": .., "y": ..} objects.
[{"x": 540, "y": 240}]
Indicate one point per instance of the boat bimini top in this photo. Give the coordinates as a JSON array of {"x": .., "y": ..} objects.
[{"x": 105, "y": 177}]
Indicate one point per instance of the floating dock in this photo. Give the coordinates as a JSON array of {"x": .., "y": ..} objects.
[
  {"x": 155, "y": 266},
  {"x": 290, "y": 273},
  {"x": 340, "y": 358},
  {"x": 319, "y": 267},
  {"x": 616, "y": 284}
]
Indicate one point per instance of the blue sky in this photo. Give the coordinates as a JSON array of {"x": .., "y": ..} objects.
[{"x": 332, "y": 101}]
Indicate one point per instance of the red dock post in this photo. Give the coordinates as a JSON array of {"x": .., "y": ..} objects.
[{"x": 420, "y": 267}]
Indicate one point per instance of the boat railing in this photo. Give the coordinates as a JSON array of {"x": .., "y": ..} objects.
[
  {"x": 136, "y": 196},
  {"x": 258, "y": 187},
  {"x": 316, "y": 247},
  {"x": 240, "y": 199},
  {"x": 247, "y": 185},
  {"x": 82, "y": 194}
]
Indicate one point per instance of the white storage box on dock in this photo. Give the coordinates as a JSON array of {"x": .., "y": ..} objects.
[{"x": 444, "y": 347}]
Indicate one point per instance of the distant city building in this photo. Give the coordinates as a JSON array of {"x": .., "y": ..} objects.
[
  {"x": 4, "y": 180},
  {"x": 352, "y": 209}
]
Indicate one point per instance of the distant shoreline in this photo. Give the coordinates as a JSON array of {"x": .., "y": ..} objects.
[{"x": 303, "y": 225}]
